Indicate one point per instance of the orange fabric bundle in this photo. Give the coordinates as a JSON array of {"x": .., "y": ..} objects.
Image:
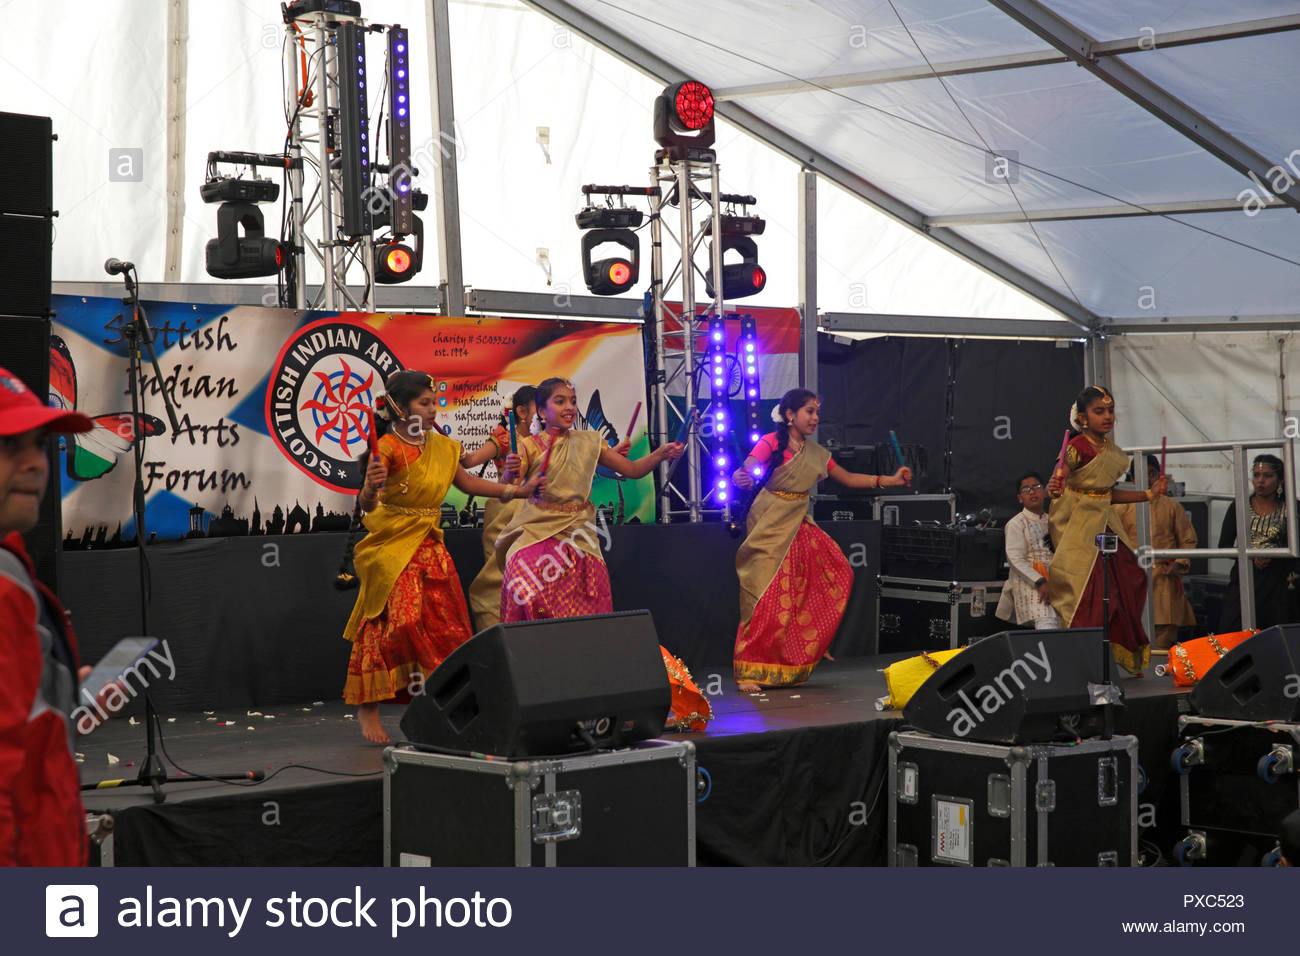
[{"x": 1190, "y": 660}]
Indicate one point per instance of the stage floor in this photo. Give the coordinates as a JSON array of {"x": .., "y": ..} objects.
[{"x": 807, "y": 750}]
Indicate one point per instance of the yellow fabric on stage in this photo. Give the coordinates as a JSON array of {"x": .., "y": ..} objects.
[
  {"x": 408, "y": 512},
  {"x": 1081, "y": 513},
  {"x": 568, "y": 484},
  {"x": 774, "y": 519},
  {"x": 905, "y": 677}
]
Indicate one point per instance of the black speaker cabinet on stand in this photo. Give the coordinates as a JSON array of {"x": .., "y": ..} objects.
[{"x": 26, "y": 216}]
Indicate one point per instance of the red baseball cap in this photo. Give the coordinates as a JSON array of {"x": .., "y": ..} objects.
[{"x": 21, "y": 411}]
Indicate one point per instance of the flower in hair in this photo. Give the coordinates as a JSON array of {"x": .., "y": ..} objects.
[{"x": 777, "y": 416}]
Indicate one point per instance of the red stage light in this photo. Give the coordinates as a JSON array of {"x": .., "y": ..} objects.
[
  {"x": 398, "y": 260},
  {"x": 694, "y": 104},
  {"x": 620, "y": 273},
  {"x": 758, "y": 277}
]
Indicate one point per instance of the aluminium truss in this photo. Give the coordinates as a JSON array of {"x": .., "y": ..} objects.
[
  {"x": 312, "y": 102},
  {"x": 677, "y": 182}
]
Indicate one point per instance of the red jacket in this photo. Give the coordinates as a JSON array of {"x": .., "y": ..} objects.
[{"x": 41, "y": 818}]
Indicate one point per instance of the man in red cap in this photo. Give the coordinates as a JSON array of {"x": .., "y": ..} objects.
[{"x": 41, "y": 818}]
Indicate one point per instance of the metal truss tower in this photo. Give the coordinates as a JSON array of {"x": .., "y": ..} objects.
[
  {"x": 678, "y": 183},
  {"x": 317, "y": 92}
]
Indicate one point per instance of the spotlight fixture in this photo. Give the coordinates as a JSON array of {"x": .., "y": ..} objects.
[
  {"x": 395, "y": 261},
  {"x": 610, "y": 276},
  {"x": 232, "y": 256},
  {"x": 739, "y": 279},
  {"x": 683, "y": 120}
]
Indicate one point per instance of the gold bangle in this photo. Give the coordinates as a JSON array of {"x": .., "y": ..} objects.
[
  {"x": 1151, "y": 494},
  {"x": 508, "y": 495}
]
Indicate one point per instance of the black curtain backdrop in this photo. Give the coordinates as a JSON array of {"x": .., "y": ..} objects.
[
  {"x": 1009, "y": 403},
  {"x": 256, "y": 621}
]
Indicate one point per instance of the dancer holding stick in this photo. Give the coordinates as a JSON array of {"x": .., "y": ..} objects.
[
  {"x": 1084, "y": 486},
  {"x": 794, "y": 580},
  {"x": 550, "y": 552},
  {"x": 411, "y": 612}
]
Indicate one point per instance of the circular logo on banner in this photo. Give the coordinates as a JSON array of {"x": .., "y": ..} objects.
[{"x": 322, "y": 385}]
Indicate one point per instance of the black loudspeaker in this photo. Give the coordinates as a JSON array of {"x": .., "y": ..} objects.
[
  {"x": 26, "y": 207},
  {"x": 1259, "y": 679},
  {"x": 546, "y": 688},
  {"x": 1016, "y": 687}
]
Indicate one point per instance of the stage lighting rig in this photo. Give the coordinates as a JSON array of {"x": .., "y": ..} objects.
[
  {"x": 610, "y": 224},
  {"x": 747, "y": 353},
  {"x": 739, "y": 279},
  {"x": 683, "y": 122},
  {"x": 395, "y": 261},
  {"x": 719, "y": 394},
  {"x": 231, "y": 255}
]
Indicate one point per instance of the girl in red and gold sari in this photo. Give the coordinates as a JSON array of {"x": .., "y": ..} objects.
[
  {"x": 550, "y": 551},
  {"x": 411, "y": 611},
  {"x": 1084, "y": 489},
  {"x": 794, "y": 580}
]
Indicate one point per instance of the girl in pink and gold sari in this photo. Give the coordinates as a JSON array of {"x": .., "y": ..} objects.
[
  {"x": 550, "y": 551},
  {"x": 794, "y": 580}
]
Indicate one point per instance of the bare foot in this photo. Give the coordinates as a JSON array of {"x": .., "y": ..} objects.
[
  {"x": 827, "y": 656},
  {"x": 371, "y": 728},
  {"x": 747, "y": 687}
]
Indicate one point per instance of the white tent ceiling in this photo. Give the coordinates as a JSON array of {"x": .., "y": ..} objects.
[
  {"x": 903, "y": 103},
  {"x": 857, "y": 84}
]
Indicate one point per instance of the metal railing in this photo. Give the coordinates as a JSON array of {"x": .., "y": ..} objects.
[{"x": 1242, "y": 551}]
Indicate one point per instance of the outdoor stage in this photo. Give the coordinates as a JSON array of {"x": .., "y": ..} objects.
[{"x": 796, "y": 778}]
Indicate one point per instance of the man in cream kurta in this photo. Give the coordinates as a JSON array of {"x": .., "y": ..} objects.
[{"x": 1024, "y": 599}]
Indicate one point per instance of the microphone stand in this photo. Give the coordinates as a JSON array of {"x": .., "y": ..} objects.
[
  {"x": 1108, "y": 710},
  {"x": 139, "y": 336}
]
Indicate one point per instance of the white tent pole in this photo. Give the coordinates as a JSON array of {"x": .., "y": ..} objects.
[
  {"x": 178, "y": 29},
  {"x": 446, "y": 181},
  {"x": 808, "y": 278}
]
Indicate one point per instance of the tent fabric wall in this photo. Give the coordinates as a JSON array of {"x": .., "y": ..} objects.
[{"x": 1206, "y": 387}]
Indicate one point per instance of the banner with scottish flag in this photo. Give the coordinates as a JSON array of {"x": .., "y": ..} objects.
[{"x": 271, "y": 407}]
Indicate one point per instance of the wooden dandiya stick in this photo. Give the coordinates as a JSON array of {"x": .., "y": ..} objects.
[
  {"x": 1164, "y": 451},
  {"x": 1060, "y": 459},
  {"x": 552, "y": 434},
  {"x": 372, "y": 437},
  {"x": 635, "y": 412},
  {"x": 514, "y": 436}
]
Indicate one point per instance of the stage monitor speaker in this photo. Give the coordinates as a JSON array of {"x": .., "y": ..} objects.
[
  {"x": 539, "y": 688},
  {"x": 1016, "y": 687},
  {"x": 1259, "y": 679}
]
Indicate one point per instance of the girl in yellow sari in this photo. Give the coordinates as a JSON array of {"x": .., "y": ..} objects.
[
  {"x": 411, "y": 611},
  {"x": 794, "y": 580},
  {"x": 550, "y": 551},
  {"x": 1084, "y": 489}
]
